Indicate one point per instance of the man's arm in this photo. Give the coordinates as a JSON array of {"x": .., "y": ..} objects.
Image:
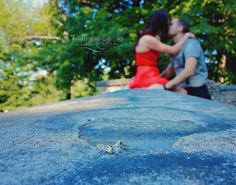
[
  {"x": 189, "y": 70},
  {"x": 168, "y": 72}
]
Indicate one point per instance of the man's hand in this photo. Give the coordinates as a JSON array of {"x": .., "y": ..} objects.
[{"x": 189, "y": 70}]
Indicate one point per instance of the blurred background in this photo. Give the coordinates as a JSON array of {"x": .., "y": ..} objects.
[{"x": 53, "y": 50}]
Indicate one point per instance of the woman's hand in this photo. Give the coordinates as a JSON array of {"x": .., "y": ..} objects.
[{"x": 189, "y": 35}]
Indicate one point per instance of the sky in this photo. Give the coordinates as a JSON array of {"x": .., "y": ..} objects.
[{"x": 36, "y": 3}]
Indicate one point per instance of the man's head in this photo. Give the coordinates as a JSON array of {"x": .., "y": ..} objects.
[{"x": 178, "y": 26}]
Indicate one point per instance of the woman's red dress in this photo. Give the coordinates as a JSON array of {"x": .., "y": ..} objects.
[{"x": 147, "y": 72}]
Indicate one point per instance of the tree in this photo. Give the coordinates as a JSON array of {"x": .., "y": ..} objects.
[
  {"x": 92, "y": 40},
  {"x": 20, "y": 34}
]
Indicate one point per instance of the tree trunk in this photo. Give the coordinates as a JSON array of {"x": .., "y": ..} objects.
[
  {"x": 221, "y": 58},
  {"x": 67, "y": 94}
]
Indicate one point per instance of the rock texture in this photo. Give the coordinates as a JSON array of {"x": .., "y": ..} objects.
[
  {"x": 219, "y": 93},
  {"x": 124, "y": 137},
  {"x": 222, "y": 93}
]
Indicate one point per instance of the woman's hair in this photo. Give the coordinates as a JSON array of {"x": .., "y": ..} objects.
[{"x": 158, "y": 23}]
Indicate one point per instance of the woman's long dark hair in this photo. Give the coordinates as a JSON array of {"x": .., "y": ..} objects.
[{"x": 158, "y": 24}]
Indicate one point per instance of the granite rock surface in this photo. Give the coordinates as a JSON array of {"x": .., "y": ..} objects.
[{"x": 124, "y": 137}]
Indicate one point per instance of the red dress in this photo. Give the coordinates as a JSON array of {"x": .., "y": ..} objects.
[{"x": 147, "y": 73}]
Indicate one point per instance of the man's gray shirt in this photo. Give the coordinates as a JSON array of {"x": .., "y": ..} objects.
[{"x": 191, "y": 48}]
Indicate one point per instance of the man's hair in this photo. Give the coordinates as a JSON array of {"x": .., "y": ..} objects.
[{"x": 185, "y": 25}]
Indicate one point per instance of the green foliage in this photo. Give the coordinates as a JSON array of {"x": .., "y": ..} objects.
[{"x": 80, "y": 42}]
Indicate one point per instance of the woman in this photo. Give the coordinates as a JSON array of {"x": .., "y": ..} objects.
[{"x": 148, "y": 48}]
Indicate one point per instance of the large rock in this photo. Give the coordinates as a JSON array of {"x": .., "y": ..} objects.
[{"x": 125, "y": 137}]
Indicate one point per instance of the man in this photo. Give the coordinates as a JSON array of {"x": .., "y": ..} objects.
[{"x": 188, "y": 65}]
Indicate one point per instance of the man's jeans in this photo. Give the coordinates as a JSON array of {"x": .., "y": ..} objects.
[{"x": 201, "y": 91}]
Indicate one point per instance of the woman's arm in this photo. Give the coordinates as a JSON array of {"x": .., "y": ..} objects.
[
  {"x": 168, "y": 72},
  {"x": 155, "y": 44}
]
